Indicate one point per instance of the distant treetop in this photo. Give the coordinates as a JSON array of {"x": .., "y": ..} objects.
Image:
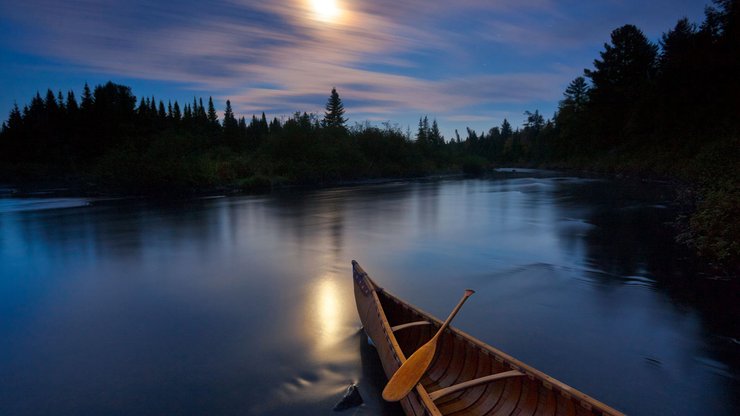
[{"x": 334, "y": 115}]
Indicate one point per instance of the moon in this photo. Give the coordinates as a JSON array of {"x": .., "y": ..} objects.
[{"x": 325, "y": 10}]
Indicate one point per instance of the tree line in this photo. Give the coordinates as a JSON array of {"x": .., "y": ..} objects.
[
  {"x": 122, "y": 144},
  {"x": 671, "y": 108},
  {"x": 668, "y": 109}
]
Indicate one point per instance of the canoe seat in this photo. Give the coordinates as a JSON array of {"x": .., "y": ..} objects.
[
  {"x": 410, "y": 324},
  {"x": 470, "y": 383}
]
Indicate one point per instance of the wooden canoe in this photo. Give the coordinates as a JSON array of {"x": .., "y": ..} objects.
[{"x": 467, "y": 376}]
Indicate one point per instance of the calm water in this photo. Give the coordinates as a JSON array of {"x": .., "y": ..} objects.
[{"x": 240, "y": 306}]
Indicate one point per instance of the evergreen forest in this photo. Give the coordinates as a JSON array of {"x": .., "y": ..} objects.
[{"x": 665, "y": 109}]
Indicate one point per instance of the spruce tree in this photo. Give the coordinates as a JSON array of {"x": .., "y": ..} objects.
[
  {"x": 576, "y": 95},
  {"x": 71, "y": 102},
  {"x": 60, "y": 100},
  {"x": 334, "y": 115},
  {"x": 15, "y": 120},
  {"x": 506, "y": 131},
  {"x": 230, "y": 127},
  {"x": 87, "y": 99},
  {"x": 264, "y": 127},
  {"x": 212, "y": 116},
  {"x": 230, "y": 121},
  {"x": 620, "y": 81},
  {"x": 176, "y": 114},
  {"x": 423, "y": 132},
  {"x": 435, "y": 137}
]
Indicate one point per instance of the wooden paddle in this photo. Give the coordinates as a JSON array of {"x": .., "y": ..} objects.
[{"x": 408, "y": 375}]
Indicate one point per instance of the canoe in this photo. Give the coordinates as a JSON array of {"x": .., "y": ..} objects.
[{"x": 466, "y": 376}]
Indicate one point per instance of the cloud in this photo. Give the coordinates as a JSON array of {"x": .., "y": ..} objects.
[{"x": 386, "y": 57}]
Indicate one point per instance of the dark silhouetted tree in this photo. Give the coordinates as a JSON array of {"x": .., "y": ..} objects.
[
  {"x": 176, "y": 113},
  {"x": 576, "y": 95},
  {"x": 506, "y": 130},
  {"x": 334, "y": 115},
  {"x": 87, "y": 99},
  {"x": 231, "y": 127},
  {"x": 212, "y": 116},
  {"x": 435, "y": 137},
  {"x": 422, "y": 133},
  {"x": 535, "y": 121},
  {"x": 571, "y": 119},
  {"x": 620, "y": 81}
]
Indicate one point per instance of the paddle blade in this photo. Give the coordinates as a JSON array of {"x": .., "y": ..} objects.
[{"x": 408, "y": 375}]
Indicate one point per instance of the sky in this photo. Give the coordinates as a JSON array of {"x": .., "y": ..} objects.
[{"x": 465, "y": 63}]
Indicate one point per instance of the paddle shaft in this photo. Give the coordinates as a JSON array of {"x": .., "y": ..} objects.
[
  {"x": 466, "y": 295},
  {"x": 408, "y": 375}
]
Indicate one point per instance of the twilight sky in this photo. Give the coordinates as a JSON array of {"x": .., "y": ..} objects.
[{"x": 464, "y": 62}]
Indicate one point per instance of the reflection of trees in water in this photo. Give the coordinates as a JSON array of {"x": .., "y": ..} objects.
[
  {"x": 122, "y": 229},
  {"x": 309, "y": 216},
  {"x": 632, "y": 236},
  {"x": 630, "y": 233}
]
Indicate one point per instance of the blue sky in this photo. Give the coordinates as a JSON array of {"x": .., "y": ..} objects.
[{"x": 465, "y": 62}]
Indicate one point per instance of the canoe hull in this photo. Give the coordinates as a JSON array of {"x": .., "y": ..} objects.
[
  {"x": 517, "y": 390},
  {"x": 376, "y": 327}
]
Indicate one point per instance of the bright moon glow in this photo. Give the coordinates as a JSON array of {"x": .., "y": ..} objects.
[{"x": 325, "y": 10}]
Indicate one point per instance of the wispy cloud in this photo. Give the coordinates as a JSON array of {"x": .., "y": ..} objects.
[{"x": 387, "y": 57}]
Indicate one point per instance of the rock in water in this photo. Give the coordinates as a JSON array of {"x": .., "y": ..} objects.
[{"x": 351, "y": 398}]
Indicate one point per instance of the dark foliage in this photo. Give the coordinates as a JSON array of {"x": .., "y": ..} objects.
[
  {"x": 334, "y": 116},
  {"x": 671, "y": 109}
]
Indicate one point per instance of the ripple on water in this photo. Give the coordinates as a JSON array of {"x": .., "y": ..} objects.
[
  {"x": 37, "y": 204},
  {"x": 716, "y": 367},
  {"x": 320, "y": 384}
]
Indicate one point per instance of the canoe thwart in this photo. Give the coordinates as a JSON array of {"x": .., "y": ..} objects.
[
  {"x": 471, "y": 383},
  {"x": 410, "y": 324},
  {"x": 464, "y": 376}
]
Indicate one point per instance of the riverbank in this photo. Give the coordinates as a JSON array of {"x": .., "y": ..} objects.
[
  {"x": 706, "y": 220},
  {"x": 707, "y": 184}
]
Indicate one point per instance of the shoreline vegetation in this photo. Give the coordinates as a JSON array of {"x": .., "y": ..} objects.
[{"x": 669, "y": 110}]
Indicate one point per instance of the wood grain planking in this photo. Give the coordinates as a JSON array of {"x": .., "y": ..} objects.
[
  {"x": 529, "y": 400},
  {"x": 475, "y": 395}
]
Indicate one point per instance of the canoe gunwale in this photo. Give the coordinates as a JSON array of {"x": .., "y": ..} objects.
[
  {"x": 398, "y": 354},
  {"x": 587, "y": 402}
]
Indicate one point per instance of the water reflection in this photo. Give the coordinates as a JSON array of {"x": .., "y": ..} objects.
[
  {"x": 245, "y": 305},
  {"x": 325, "y": 310}
]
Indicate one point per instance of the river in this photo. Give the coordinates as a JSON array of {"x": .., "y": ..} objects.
[{"x": 244, "y": 305}]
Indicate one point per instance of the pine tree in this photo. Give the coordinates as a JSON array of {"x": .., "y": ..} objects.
[
  {"x": 71, "y": 102},
  {"x": 264, "y": 127},
  {"x": 535, "y": 121},
  {"x": 212, "y": 116},
  {"x": 576, "y": 95},
  {"x": 143, "y": 108},
  {"x": 230, "y": 127},
  {"x": 229, "y": 119},
  {"x": 334, "y": 115},
  {"x": 187, "y": 116},
  {"x": 51, "y": 103},
  {"x": 506, "y": 131},
  {"x": 153, "y": 107},
  {"x": 60, "y": 100},
  {"x": 87, "y": 99},
  {"x": 176, "y": 114},
  {"x": 435, "y": 137},
  {"x": 422, "y": 134},
  {"x": 15, "y": 120},
  {"x": 619, "y": 83}
]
